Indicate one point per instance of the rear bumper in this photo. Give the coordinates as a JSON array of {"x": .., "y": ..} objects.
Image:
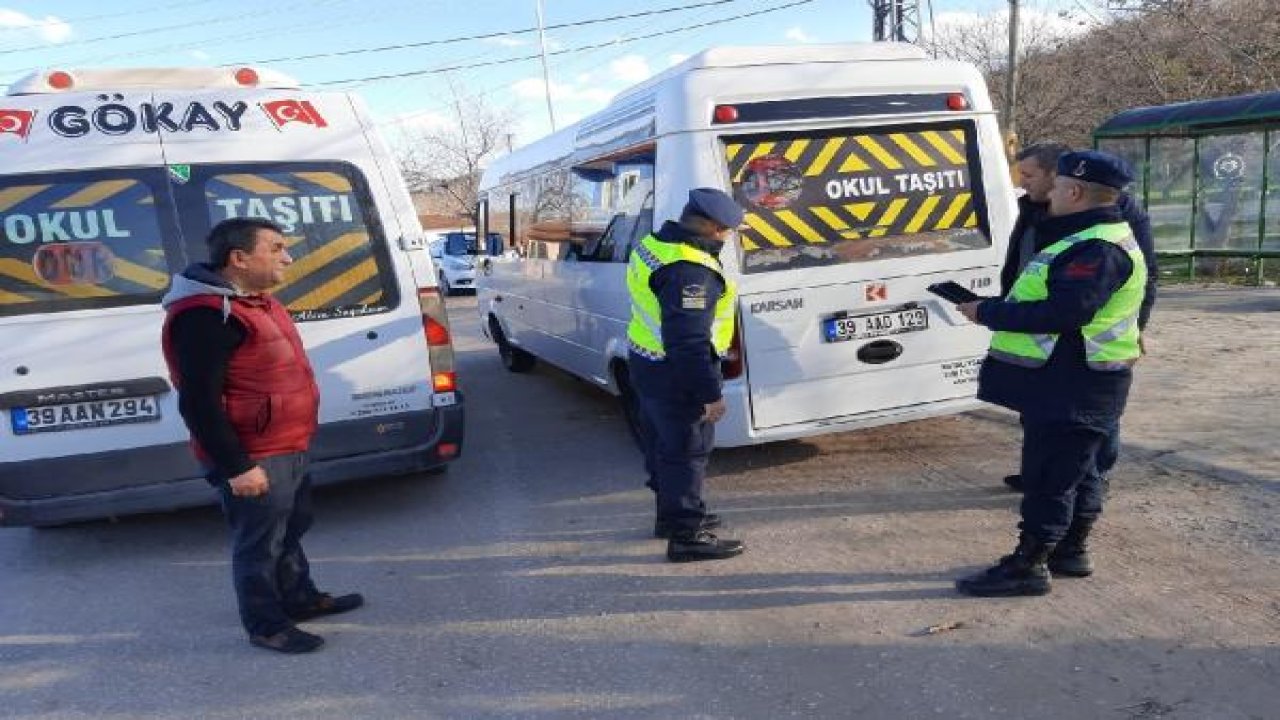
[
  {"x": 740, "y": 432},
  {"x": 190, "y": 489}
]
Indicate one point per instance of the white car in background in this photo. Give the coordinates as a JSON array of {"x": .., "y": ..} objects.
[
  {"x": 455, "y": 254},
  {"x": 455, "y": 260}
]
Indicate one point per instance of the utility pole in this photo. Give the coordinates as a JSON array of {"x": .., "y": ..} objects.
[
  {"x": 1011, "y": 82},
  {"x": 895, "y": 20},
  {"x": 546, "y": 75}
]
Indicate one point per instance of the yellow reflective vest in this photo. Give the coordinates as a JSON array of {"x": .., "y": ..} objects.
[
  {"x": 644, "y": 332},
  {"x": 1110, "y": 337}
]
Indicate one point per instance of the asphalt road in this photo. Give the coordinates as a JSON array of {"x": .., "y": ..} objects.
[{"x": 523, "y": 583}]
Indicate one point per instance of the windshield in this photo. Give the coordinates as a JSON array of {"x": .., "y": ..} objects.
[{"x": 460, "y": 244}]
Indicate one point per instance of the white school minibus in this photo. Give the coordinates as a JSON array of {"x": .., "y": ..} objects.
[
  {"x": 109, "y": 182},
  {"x": 868, "y": 172}
]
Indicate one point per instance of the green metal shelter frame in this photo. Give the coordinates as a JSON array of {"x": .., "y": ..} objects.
[{"x": 1208, "y": 173}]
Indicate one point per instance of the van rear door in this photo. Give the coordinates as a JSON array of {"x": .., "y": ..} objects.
[
  {"x": 87, "y": 243},
  {"x": 845, "y": 229},
  {"x": 302, "y": 160}
]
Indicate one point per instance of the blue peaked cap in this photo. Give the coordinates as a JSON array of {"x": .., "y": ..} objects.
[
  {"x": 716, "y": 206},
  {"x": 1095, "y": 167}
]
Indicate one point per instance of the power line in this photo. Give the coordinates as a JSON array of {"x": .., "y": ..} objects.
[
  {"x": 524, "y": 58},
  {"x": 487, "y": 36},
  {"x": 107, "y": 16},
  {"x": 584, "y": 57},
  {"x": 214, "y": 44},
  {"x": 151, "y": 31}
]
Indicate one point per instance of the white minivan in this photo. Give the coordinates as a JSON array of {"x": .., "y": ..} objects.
[
  {"x": 109, "y": 182},
  {"x": 868, "y": 172}
]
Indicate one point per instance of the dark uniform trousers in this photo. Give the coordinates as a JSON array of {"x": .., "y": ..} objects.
[
  {"x": 1064, "y": 467},
  {"x": 677, "y": 445},
  {"x": 270, "y": 570}
]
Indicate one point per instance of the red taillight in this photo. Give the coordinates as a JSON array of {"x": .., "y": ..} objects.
[
  {"x": 247, "y": 77},
  {"x": 60, "y": 80},
  {"x": 725, "y": 114},
  {"x": 732, "y": 365},
  {"x": 437, "y": 334},
  {"x": 444, "y": 382},
  {"x": 957, "y": 101},
  {"x": 435, "y": 326},
  {"x": 447, "y": 450}
]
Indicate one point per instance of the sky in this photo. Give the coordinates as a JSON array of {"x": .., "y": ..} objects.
[{"x": 588, "y": 63}]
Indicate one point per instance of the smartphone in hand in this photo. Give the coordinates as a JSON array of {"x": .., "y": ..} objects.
[{"x": 953, "y": 292}]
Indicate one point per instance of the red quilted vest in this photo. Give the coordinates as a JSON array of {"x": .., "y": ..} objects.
[{"x": 270, "y": 393}]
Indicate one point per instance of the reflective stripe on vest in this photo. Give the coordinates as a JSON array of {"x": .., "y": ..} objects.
[
  {"x": 1110, "y": 337},
  {"x": 644, "y": 333}
]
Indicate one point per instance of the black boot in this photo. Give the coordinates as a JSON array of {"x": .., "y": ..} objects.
[
  {"x": 665, "y": 529},
  {"x": 1022, "y": 573},
  {"x": 1071, "y": 556},
  {"x": 1014, "y": 482},
  {"x": 702, "y": 545}
]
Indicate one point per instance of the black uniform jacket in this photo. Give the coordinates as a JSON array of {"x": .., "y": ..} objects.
[
  {"x": 1031, "y": 214},
  {"x": 687, "y": 293},
  {"x": 1081, "y": 280}
]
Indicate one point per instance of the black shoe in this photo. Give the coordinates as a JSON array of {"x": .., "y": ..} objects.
[
  {"x": 1014, "y": 482},
  {"x": 291, "y": 640},
  {"x": 1070, "y": 557},
  {"x": 702, "y": 545},
  {"x": 326, "y": 604},
  {"x": 1022, "y": 573},
  {"x": 665, "y": 529}
]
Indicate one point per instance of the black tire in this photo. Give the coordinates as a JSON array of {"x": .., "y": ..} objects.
[
  {"x": 513, "y": 358},
  {"x": 631, "y": 412},
  {"x": 445, "y": 288}
]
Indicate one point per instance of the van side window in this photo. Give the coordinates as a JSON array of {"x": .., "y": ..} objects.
[
  {"x": 78, "y": 240},
  {"x": 610, "y": 207},
  {"x": 341, "y": 266},
  {"x": 543, "y": 208}
]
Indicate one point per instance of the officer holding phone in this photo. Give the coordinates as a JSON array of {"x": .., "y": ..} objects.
[{"x": 1066, "y": 340}]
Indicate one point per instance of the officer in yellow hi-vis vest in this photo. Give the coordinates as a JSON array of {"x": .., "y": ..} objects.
[
  {"x": 1065, "y": 343},
  {"x": 682, "y": 320}
]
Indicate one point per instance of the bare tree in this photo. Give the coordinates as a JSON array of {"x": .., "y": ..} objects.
[
  {"x": 1130, "y": 54},
  {"x": 449, "y": 160}
]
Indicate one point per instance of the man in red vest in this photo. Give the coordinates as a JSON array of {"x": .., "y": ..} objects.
[{"x": 250, "y": 400}]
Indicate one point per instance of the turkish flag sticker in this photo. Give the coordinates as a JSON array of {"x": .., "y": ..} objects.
[
  {"x": 17, "y": 122},
  {"x": 287, "y": 111}
]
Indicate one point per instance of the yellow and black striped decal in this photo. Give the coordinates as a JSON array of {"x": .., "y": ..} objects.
[
  {"x": 324, "y": 224},
  {"x": 79, "y": 241},
  {"x": 850, "y": 186}
]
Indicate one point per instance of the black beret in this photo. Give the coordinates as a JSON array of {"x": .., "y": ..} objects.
[
  {"x": 1095, "y": 167},
  {"x": 716, "y": 206}
]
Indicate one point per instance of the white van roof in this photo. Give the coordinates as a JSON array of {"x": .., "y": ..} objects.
[{"x": 57, "y": 80}]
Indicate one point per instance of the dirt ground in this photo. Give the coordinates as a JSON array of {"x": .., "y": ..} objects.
[{"x": 1183, "y": 618}]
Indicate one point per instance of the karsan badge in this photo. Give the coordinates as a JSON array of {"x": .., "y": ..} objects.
[
  {"x": 876, "y": 292},
  {"x": 693, "y": 297}
]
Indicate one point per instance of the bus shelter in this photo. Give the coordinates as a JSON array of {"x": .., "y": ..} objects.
[{"x": 1208, "y": 173}]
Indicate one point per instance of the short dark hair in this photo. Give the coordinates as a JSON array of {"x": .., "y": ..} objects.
[
  {"x": 238, "y": 233},
  {"x": 1045, "y": 154}
]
